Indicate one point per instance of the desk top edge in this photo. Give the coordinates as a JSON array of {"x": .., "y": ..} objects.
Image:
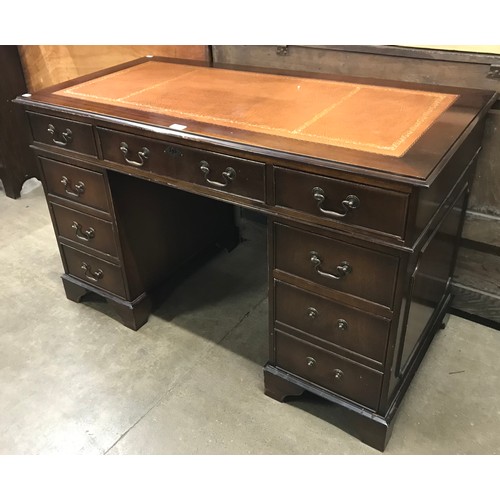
[{"x": 416, "y": 166}]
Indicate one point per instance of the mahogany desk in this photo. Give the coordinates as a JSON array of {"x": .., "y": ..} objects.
[{"x": 364, "y": 184}]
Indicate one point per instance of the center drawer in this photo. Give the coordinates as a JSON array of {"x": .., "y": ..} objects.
[
  {"x": 342, "y": 266},
  {"x": 217, "y": 171}
]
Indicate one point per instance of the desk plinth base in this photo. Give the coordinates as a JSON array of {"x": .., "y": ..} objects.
[
  {"x": 369, "y": 427},
  {"x": 366, "y": 426},
  {"x": 132, "y": 314}
]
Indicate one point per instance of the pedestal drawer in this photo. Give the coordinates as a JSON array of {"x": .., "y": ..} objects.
[
  {"x": 344, "y": 326},
  {"x": 84, "y": 229},
  {"x": 214, "y": 170},
  {"x": 335, "y": 373},
  {"x": 63, "y": 133},
  {"x": 350, "y": 203},
  {"x": 97, "y": 272},
  {"x": 342, "y": 266},
  {"x": 76, "y": 184}
]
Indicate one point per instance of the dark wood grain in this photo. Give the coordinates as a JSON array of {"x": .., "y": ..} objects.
[
  {"x": 328, "y": 370},
  {"x": 76, "y": 184},
  {"x": 346, "y": 327},
  {"x": 162, "y": 229},
  {"x": 182, "y": 163},
  {"x": 385, "y": 271},
  {"x": 97, "y": 272},
  {"x": 81, "y": 137},
  {"x": 90, "y": 232},
  {"x": 370, "y": 269},
  {"x": 379, "y": 209}
]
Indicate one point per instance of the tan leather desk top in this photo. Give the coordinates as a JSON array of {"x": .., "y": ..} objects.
[{"x": 374, "y": 119}]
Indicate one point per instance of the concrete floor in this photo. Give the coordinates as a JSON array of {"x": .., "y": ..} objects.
[{"x": 75, "y": 381}]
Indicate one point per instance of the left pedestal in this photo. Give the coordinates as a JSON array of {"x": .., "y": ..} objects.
[{"x": 123, "y": 238}]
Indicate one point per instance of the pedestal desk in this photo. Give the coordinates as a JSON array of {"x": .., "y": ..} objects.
[{"x": 363, "y": 182}]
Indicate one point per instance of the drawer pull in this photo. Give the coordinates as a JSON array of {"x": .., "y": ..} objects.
[
  {"x": 229, "y": 175},
  {"x": 143, "y": 155},
  {"x": 310, "y": 361},
  {"x": 312, "y": 313},
  {"x": 342, "y": 325},
  {"x": 338, "y": 374},
  {"x": 77, "y": 190},
  {"x": 92, "y": 276},
  {"x": 350, "y": 203},
  {"x": 83, "y": 235},
  {"x": 66, "y": 136},
  {"x": 343, "y": 268}
]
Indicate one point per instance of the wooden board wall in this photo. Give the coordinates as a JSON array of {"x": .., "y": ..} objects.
[
  {"x": 483, "y": 49},
  {"x": 46, "y": 65}
]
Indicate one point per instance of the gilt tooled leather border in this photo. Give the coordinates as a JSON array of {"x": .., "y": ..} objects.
[{"x": 439, "y": 102}]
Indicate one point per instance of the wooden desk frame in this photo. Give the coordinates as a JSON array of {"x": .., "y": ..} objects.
[{"x": 354, "y": 300}]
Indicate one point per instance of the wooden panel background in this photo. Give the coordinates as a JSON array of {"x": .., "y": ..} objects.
[
  {"x": 476, "y": 283},
  {"x": 46, "y": 65}
]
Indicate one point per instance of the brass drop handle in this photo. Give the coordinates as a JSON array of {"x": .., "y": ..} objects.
[
  {"x": 66, "y": 136},
  {"x": 92, "y": 275},
  {"x": 143, "y": 155},
  {"x": 77, "y": 190},
  {"x": 350, "y": 203},
  {"x": 343, "y": 268},
  {"x": 83, "y": 235},
  {"x": 229, "y": 175},
  {"x": 338, "y": 374},
  {"x": 310, "y": 361}
]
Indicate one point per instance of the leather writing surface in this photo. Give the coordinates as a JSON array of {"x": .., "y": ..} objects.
[{"x": 369, "y": 118}]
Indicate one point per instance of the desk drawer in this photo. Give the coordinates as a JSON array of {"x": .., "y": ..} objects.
[
  {"x": 84, "y": 229},
  {"x": 76, "y": 184},
  {"x": 94, "y": 271},
  {"x": 344, "y": 326},
  {"x": 65, "y": 134},
  {"x": 213, "y": 170},
  {"x": 335, "y": 373},
  {"x": 335, "y": 264},
  {"x": 332, "y": 199}
]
